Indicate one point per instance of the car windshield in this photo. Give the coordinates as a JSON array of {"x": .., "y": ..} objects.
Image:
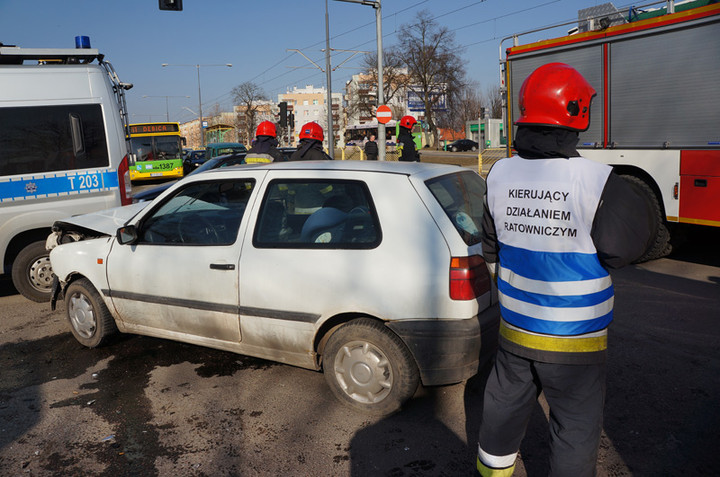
[{"x": 461, "y": 196}]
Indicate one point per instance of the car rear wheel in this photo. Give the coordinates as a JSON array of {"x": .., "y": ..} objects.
[
  {"x": 368, "y": 367},
  {"x": 32, "y": 272},
  {"x": 90, "y": 320}
]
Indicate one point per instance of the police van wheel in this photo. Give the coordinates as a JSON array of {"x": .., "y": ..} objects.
[
  {"x": 90, "y": 320},
  {"x": 368, "y": 367},
  {"x": 32, "y": 272}
]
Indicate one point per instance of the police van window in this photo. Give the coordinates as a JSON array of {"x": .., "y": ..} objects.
[
  {"x": 202, "y": 213},
  {"x": 39, "y": 139},
  {"x": 461, "y": 196},
  {"x": 317, "y": 214}
]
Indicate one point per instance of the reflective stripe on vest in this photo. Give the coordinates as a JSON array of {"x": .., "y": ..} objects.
[
  {"x": 550, "y": 280},
  {"x": 256, "y": 158}
]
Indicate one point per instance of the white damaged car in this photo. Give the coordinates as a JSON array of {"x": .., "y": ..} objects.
[{"x": 369, "y": 271}]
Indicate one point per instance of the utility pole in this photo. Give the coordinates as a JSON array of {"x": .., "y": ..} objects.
[
  {"x": 197, "y": 66},
  {"x": 380, "y": 87},
  {"x": 167, "y": 107},
  {"x": 331, "y": 131}
]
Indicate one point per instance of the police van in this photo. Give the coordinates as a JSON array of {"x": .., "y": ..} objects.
[{"x": 63, "y": 151}]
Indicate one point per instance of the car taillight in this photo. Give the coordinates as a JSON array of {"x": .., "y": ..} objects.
[
  {"x": 469, "y": 278},
  {"x": 123, "y": 172}
]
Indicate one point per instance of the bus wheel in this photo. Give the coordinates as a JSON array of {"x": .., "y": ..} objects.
[
  {"x": 32, "y": 272},
  {"x": 660, "y": 246}
]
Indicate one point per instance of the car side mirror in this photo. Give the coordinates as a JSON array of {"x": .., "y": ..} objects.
[{"x": 126, "y": 235}]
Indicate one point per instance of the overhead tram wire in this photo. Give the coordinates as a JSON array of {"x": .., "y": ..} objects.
[
  {"x": 212, "y": 101},
  {"x": 389, "y": 34}
]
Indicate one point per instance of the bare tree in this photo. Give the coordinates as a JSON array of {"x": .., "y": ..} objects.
[
  {"x": 461, "y": 107},
  {"x": 248, "y": 97},
  {"x": 432, "y": 57},
  {"x": 492, "y": 99},
  {"x": 395, "y": 81}
]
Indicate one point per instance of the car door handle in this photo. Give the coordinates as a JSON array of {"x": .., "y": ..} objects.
[{"x": 222, "y": 266}]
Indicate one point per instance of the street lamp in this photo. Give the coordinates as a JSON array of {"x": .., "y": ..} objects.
[
  {"x": 202, "y": 135},
  {"x": 381, "y": 93},
  {"x": 167, "y": 109}
]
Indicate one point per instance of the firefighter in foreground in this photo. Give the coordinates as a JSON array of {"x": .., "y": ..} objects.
[
  {"x": 405, "y": 141},
  {"x": 264, "y": 149},
  {"x": 554, "y": 222},
  {"x": 310, "y": 147}
]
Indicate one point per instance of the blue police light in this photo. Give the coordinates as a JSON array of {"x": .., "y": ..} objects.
[{"x": 82, "y": 42}]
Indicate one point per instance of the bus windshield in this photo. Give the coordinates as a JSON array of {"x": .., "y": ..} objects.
[{"x": 157, "y": 148}]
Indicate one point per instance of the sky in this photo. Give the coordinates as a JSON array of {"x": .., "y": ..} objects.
[{"x": 255, "y": 36}]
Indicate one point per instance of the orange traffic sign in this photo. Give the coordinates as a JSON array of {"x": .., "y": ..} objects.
[{"x": 384, "y": 114}]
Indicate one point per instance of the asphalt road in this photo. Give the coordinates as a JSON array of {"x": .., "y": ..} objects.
[{"x": 144, "y": 406}]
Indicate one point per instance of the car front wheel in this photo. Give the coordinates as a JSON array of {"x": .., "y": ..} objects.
[
  {"x": 454, "y": 149},
  {"x": 368, "y": 367},
  {"x": 90, "y": 320}
]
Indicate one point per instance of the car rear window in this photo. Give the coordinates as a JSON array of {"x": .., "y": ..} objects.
[
  {"x": 461, "y": 196},
  {"x": 317, "y": 214}
]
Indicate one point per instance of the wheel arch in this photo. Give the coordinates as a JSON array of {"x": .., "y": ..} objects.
[
  {"x": 330, "y": 326},
  {"x": 20, "y": 241}
]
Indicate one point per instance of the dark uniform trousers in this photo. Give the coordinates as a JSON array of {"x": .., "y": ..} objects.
[{"x": 575, "y": 395}]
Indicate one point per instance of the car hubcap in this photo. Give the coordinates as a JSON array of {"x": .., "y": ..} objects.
[
  {"x": 40, "y": 274},
  {"x": 363, "y": 372},
  {"x": 82, "y": 315}
]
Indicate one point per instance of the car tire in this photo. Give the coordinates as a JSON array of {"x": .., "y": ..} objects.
[
  {"x": 368, "y": 367},
  {"x": 32, "y": 272},
  {"x": 454, "y": 149},
  {"x": 660, "y": 245},
  {"x": 90, "y": 320},
  {"x": 473, "y": 149}
]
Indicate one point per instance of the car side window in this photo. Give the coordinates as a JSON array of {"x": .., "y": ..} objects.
[
  {"x": 202, "y": 213},
  {"x": 317, "y": 214}
]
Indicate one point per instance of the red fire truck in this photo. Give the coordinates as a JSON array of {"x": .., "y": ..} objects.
[{"x": 656, "y": 116}]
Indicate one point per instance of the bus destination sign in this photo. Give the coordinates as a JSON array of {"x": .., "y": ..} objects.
[{"x": 153, "y": 128}]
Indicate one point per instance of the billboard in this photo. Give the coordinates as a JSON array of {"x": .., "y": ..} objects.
[{"x": 415, "y": 102}]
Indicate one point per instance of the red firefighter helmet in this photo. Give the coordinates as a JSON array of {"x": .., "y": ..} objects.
[
  {"x": 312, "y": 131},
  {"x": 556, "y": 95},
  {"x": 266, "y": 128},
  {"x": 407, "y": 122}
]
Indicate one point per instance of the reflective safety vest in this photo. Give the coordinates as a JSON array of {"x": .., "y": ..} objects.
[
  {"x": 556, "y": 299},
  {"x": 257, "y": 158}
]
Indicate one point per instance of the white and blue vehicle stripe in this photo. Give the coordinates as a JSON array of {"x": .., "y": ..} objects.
[{"x": 57, "y": 184}]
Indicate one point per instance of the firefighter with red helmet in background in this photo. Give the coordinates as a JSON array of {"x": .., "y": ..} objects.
[
  {"x": 554, "y": 223},
  {"x": 264, "y": 148},
  {"x": 406, "y": 142},
  {"x": 311, "y": 141}
]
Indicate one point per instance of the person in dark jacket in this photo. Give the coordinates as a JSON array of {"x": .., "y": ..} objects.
[
  {"x": 310, "y": 147},
  {"x": 554, "y": 223},
  {"x": 371, "y": 149},
  {"x": 406, "y": 142},
  {"x": 264, "y": 148}
]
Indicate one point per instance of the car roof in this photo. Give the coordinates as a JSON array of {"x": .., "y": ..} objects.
[
  {"x": 393, "y": 167},
  {"x": 224, "y": 144}
]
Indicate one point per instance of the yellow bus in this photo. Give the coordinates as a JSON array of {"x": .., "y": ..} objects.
[{"x": 157, "y": 149}]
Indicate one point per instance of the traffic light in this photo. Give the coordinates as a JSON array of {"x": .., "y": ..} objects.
[
  {"x": 291, "y": 120},
  {"x": 283, "y": 114},
  {"x": 175, "y": 5}
]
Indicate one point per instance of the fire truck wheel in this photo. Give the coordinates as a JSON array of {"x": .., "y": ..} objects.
[{"x": 660, "y": 246}]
